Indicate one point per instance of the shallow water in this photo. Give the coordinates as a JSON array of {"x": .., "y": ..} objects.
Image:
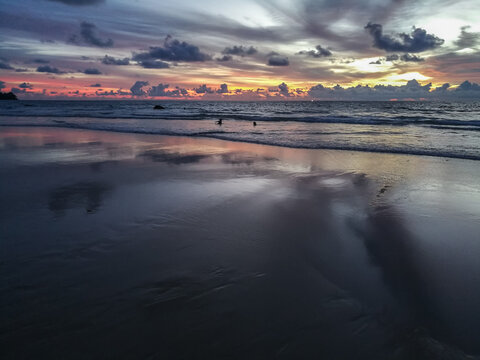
[
  {"x": 447, "y": 129},
  {"x": 141, "y": 246}
]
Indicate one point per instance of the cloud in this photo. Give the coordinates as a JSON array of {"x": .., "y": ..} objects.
[
  {"x": 452, "y": 64},
  {"x": 87, "y": 31},
  {"x": 392, "y": 57},
  {"x": 23, "y": 88},
  {"x": 468, "y": 86},
  {"x": 112, "y": 93},
  {"x": 5, "y": 66},
  {"x": 411, "y": 90},
  {"x": 173, "y": 50},
  {"x": 467, "y": 39},
  {"x": 318, "y": 53},
  {"x": 417, "y": 41},
  {"x": 92, "y": 71},
  {"x": 161, "y": 90},
  {"x": 25, "y": 85},
  {"x": 154, "y": 64},
  {"x": 395, "y": 57},
  {"x": 411, "y": 58},
  {"x": 223, "y": 89},
  {"x": 203, "y": 89},
  {"x": 49, "y": 69},
  {"x": 110, "y": 60},
  {"x": 275, "y": 59},
  {"x": 158, "y": 90},
  {"x": 96, "y": 85},
  {"x": 225, "y": 58},
  {"x": 240, "y": 50},
  {"x": 137, "y": 88},
  {"x": 441, "y": 89},
  {"x": 283, "y": 89},
  {"x": 79, "y": 2},
  {"x": 2, "y": 85},
  {"x": 17, "y": 90},
  {"x": 41, "y": 61}
]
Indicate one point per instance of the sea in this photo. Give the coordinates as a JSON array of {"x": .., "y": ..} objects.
[{"x": 444, "y": 129}]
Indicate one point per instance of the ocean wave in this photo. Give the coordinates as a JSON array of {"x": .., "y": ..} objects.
[
  {"x": 401, "y": 120},
  {"x": 242, "y": 137}
]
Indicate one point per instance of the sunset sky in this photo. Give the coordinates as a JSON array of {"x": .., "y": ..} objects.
[{"x": 236, "y": 49}]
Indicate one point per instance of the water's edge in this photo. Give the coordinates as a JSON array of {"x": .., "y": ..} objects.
[{"x": 226, "y": 138}]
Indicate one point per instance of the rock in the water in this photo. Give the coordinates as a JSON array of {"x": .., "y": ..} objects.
[{"x": 158, "y": 107}]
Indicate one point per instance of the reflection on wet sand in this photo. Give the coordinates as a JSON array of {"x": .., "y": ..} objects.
[
  {"x": 176, "y": 158},
  {"x": 204, "y": 248},
  {"x": 87, "y": 195},
  {"x": 172, "y": 157}
]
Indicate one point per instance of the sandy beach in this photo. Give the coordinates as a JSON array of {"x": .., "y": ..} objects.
[{"x": 161, "y": 247}]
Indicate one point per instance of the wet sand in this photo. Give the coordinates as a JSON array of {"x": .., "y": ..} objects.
[{"x": 152, "y": 247}]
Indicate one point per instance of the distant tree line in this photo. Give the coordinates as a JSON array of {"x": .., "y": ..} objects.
[{"x": 8, "y": 96}]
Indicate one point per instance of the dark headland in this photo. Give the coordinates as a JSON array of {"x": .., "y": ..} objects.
[{"x": 8, "y": 96}]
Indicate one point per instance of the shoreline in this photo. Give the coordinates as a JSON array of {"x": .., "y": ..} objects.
[{"x": 246, "y": 141}]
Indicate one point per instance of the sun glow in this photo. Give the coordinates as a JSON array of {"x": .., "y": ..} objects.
[{"x": 408, "y": 76}]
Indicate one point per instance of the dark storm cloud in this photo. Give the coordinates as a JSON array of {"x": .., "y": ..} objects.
[
  {"x": 417, "y": 41},
  {"x": 240, "y": 50},
  {"x": 49, "y": 69},
  {"x": 25, "y": 85},
  {"x": 40, "y": 61},
  {"x": 92, "y": 71},
  {"x": 154, "y": 64},
  {"x": 173, "y": 50},
  {"x": 223, "y": 89},
  {"x": 275, "y": 59},
  {"x": 467, "y": 39},
  {"x": 88, "y": 34},
  {"x": 110, "y": 60},
  {"x": 96, "y": 85},
  {"x": 79, "y": 2},
  {"x": 137, "y": 88},
  {"x": 318, "y": 53},
  {"x": 5, "y": 66},
  {"x": 203, "y": 89}
]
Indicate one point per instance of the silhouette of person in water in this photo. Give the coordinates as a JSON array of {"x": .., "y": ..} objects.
[
  {"x": 254, "y": 123},
  {"x": 219, "y": 122}
]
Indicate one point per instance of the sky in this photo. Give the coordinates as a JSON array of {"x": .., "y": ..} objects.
[{"x": 240, "y": 50}]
